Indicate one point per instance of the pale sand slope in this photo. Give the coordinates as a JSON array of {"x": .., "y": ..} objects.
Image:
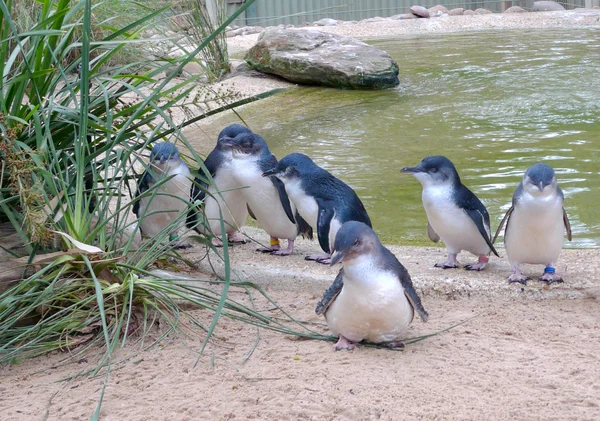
[
  {"x": 531, "y": 352},
  {"x": 517, "y": 359}
]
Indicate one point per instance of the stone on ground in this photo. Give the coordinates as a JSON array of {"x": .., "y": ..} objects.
[{"x": 317, "y": 58}]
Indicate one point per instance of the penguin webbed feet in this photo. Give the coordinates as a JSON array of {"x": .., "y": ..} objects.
[
  {"x": 319, "y": 258},
  {"x": 344, "y": 344},
  {"x": 550, "y": 276},
  {"x": 480, "y": 265},
  {"x": 449, "y": 263},
  {"x": 446, "y": 265},
  {"x": 178, "y": 243},
  {"x": 520, "y": 279}
]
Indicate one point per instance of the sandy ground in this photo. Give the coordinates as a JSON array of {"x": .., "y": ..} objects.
[{"x": 523, "y": 353}]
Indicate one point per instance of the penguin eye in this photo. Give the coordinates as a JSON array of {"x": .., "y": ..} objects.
[
  {"x": 356, "y": 242},
  {"x": 434, "y": 169}
]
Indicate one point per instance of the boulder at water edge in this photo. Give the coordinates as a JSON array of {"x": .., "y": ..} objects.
[
  {"x": 317, "y": 58},
  {"x": 546, "y": 6}
]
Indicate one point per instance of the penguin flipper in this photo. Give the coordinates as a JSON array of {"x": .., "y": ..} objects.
[
  {"x": 479, "y": 219},
  {"x": 143, "y": 184},
  {"x": 504, "y": 220},
  {"x": 331, "y": 294},
  {"x": 304, "y": 229},
  {"x": 393, "y": 265},
  {"x": 250, "y": 212},
  {"x": 567, "y": 224},
  {"x": 323, "y": 224},
  {"x": 283, "y": 197},
  {"x": 433, "y": 236}
]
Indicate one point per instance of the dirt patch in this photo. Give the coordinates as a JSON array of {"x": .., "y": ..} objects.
[{"x": 512, "y": 359}]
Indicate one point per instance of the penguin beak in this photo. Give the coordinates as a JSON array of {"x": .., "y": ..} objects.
[
  {"x": 337, "y": 257},
  {"x": 541, "y": 186},
  {"x": 227, "y": 142},
  {"x": 411, "y": 170},
  {"x": 272, "y": 171}
]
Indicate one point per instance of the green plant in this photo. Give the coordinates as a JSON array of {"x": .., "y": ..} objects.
[
  {"x": 202, "y": 18},
  {"x": 69, "y": 147}
]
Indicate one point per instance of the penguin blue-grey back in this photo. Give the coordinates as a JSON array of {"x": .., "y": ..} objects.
[
  {"x": 535, "y": 224},
  {"x": 322, "y": 200},
  {"x": 373, "y": 297},
  {"x": 454, "y": 213}
]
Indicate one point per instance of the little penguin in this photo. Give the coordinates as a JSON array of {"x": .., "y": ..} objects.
[
  {"x": 224, "y": 194},
  {"x": 321, "y": 199},
  {"x": 373, "y": 297},
  {"x": 157, "y": 210},
  {"x": 535, "y": 224},
  {"x": 454, "y": 213},
  {"x": 266, "y": 197}
]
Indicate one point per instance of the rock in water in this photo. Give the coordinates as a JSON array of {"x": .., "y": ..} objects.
[
  {"x": 546, "y": 6},
  {"x": 317, "y": 58}
]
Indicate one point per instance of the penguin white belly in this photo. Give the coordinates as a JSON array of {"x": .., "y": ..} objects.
[
  {"x": 535, "y": 232},
  {"x": 226, "y": 196},
  {"x": 165, "y": 205},
  {"x": 372, "y": 306},
  {"x": 305, "y": 204},
  {"x": 263, "y": 198},
  {"x": 456, "y": 229}
]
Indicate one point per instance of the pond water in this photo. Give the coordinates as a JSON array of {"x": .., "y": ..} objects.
[{"x": 494, "y": 102}]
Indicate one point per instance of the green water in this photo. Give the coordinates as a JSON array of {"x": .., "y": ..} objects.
[{"x": 494, "y": 102}]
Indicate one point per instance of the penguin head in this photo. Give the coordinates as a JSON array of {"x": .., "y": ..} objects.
[
  {"x": 539, "y": 180},
  {"x": 291, "y": 167},
  {"x": 164, "y": 155},
  {"x": 434, "y": 170},
  {"x": 232, "y": 131},
  {"x": 353, "y": 239},
  {"x": 246, "y": 145}
]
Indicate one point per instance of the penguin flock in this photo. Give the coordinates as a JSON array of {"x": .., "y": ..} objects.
[{"x": 372, "y": 298}]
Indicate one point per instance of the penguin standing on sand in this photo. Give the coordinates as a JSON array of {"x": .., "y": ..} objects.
[
  {"x": 266, "y": 197},
  {"x": 322, "y": 200},
  {"x": 373, "y": 297},
  {"x": 224, "y": 194},
  {"x": 158, "y": 209},
  {"x": 454, "y": 213},
  {"x": 535, "y": 224}
]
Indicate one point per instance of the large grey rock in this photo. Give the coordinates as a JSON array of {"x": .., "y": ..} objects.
[
  {"x": 419, "y": 11},
  {"x": 456, "y": 12},
  {"x": 469, "y": 13},
  {"x": 436, "y": 11},
  {"x": 318, "y": 58},
  {"x": 482, "y": 11},
  {"x": 515, "y": 9},
  {"x": 546, "y": 6}
]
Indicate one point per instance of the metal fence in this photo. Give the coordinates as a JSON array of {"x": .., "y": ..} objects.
[{"x": 298, "y": 12}]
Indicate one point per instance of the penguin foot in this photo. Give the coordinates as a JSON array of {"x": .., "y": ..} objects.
[
  {"x": 393, "y": 345},
  {"x": 475, "y": 266},
  {"x": 551, "y": 278},
  {"x": 344, "y": 344},
  {"x": 444, "y": 265},
  {"x": 319, "y": 258},
  {"x": 449, "y": 263},
  {"x": 517, "y": 277},
  {"x": 182, "y": 245},
  {"x": 237, "y": 238},
  {"x": 268, "y": 249},
  {"x": 284, "y": 252}
]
